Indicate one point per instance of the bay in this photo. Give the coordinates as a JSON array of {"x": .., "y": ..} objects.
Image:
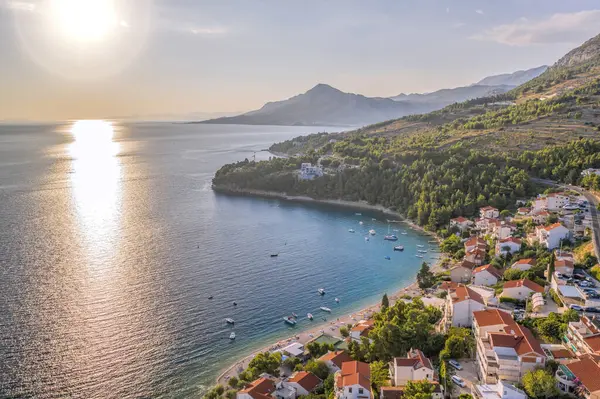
[{"x": 112, "y": 242}]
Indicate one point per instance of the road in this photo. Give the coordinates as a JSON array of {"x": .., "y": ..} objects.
[{"x": 593, "y": 209}]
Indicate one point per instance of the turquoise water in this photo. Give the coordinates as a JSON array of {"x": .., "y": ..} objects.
[{"x": 110, "y": 248}]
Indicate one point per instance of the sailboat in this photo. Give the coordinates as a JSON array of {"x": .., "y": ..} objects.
[{"x": 390, "y": 237}]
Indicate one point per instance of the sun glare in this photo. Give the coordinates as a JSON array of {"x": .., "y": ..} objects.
[{"x": 84, "y": 20}]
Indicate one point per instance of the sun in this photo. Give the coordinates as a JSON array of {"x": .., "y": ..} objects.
[{"x": 84, "y": 20}]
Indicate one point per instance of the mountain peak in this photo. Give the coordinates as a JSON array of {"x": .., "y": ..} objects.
[
  {"x": 582, "y": 54},
  {"x": 322, "y": 88}
]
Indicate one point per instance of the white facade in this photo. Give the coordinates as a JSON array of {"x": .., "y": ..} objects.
[
  {"x": 500, "y": 390},
  {"x": 484, "y": 277},
  {"x": 309, "y": 172},
  {"x": 507, "y": 246},
  {"x": 522, "y": 265},
  {"x": 489, "y": 212},
  {"x": 519, "y": 293},
  {"x": 556, "y": 201},
  {"x": 355, "y": 391},
  {"x": 551, "y": 236},
  {"x": 461, "y": 274}
]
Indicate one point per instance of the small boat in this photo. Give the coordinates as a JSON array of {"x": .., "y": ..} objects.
[
  {"x": 398, "y": 248},
  {"x": 358, "y": 214},
  {"x": 229, "y": 321},
  {"x": 396, "y": 230},
  {"x": 310, "y": 316},
  {"x": 232, "y": 335},
  {"x": 274, "y": 255},
  {"x": 337, "y": 300},
  {"x": 420, "y": 246},
  {"x": 419, "y": 256},
  {"x": 321, "y": 291},
  {"x": 387, "y": 258},
  {"x": 290, "y": 320},
  {"x": 294, "y": 315},
  {"x": 404, "y": 233},
  {"x": 210, "y": 297},
  {"x": 373, "y": 219},
  {"x": 366, "y": 238},
  {"x": 350, "y": 230},
  {"x": 360, "y": 222},
  {"x": 391, "y": 237},
  {"x": 325, "y": 309},
  {"x": 422, "y": 251},
  {"x": 372, "y": 232},
  {"x": 235, "y": 304}
]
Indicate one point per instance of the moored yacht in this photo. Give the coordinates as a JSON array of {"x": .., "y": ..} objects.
[
  {"x": 372, "y": 232},
  {"x": 310, "y": 316},
  {"x": 289, "y": 320},
  {"x": 391, "y": 237},
  {"x": 325, "y": 309},
  {"x": 398, "y": 248},
  {"x": 232, "y": 335},
  {"x": 229, "y": 321}
]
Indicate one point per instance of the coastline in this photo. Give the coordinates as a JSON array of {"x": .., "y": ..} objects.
[{"x": 330, "y": 328}]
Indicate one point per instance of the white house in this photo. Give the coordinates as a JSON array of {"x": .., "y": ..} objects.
[
  {"x": 414, "y": 367},
  {"x": 461, "y": 223},
  {"x": 523, "y": 211},
  {"x": 460, "y": 305},
  {"x": 262, "y": 388},
  {"x": 486, "y": 275},
  {"x": 489, "y": 212},
  {"x": 476, "y": 256},
  {"x": 539, "y": 204},
  {"x": 309, "y": 172},
  {"x": 463, "y": 272},
  {"x": 302, "y": 383},
  {"x": 499, "y": 390},
  {"x": 361, "y": 329},
  {"x": 555, "y": 201},
  {"x": 540, "y": 217},
  {"x": 508, "y": 245},
  {"x": 475, "y": 242},
  {"x": 551, "y": 236},
  {"x": 503, "y": 230},
  {"x": 564, "y": 267},
  {"x": 590, "y": 171},
  {"x": 520, "y": 289},
  {"x": 353, "y": 381},
  {"x": 523, "y": 264},
  {"x": 334, "y": 360}
]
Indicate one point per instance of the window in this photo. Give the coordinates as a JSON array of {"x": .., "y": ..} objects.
[
  {"x": 350, "y": 390},
  {"x": 360, "y": 390}
]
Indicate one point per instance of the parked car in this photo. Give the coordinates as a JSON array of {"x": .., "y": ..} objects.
[
  {"x": 458, "y": 381},
  {"x": 559, "y": 275},
  {"x": 576, "y": 307},
  {"x": 455, "y": 364},
  {"x": 592, "y": 310}
]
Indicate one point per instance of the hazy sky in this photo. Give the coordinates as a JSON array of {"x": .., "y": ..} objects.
[{"x": 64, "y": 59}]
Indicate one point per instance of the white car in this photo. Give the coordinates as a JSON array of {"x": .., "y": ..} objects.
[
  {"x": 458, "y": 381},
  {"x": 455, "y": 364}
]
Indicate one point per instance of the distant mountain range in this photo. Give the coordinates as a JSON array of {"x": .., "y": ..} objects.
[{"x": 324, "y": 105}]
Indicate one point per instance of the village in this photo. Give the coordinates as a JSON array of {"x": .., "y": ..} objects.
[{"x": 517, "y": 291}]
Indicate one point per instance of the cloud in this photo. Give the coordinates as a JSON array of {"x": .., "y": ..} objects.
[
  {"x": 20, "y": 5},
  {"x": 209, "y": 31},
  {"x": 458, "y": 25},
  {"x": 558, "y": 28},
  {"x": 447, "y": 10},
  {"x": 480, "y": 12}
]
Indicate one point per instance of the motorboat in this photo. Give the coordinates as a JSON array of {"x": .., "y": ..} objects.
[
  {"x": 422, "y": 251},
  {"x": 366, "y": 238},
  {"x": 310, "y": 316},
  {"x": 294, "y": 315},
  {"x": 321, "y": 291},
  {"x": 420, "y": 246},
  {"x": 372, "y": 232},
  {"x": 325, "y": 309},
  {"x": 289, "y": 320},
  {"x": 232, "y": 335},
  {"x": 350, "y": 230},
  {"x": 398, "y": 248},
  {"x": 373, "y": 219},
  {"x": 391, "y": 237},
  {"x": 235, "y": 304},
  {"x": 337, "y": 300},
  {"x": 274, "y": 255},
  {"x": 404, "y": 233},
  {"x": 358, "y": 214},
  {"x": 210, "y": 297},
  {"x": 419, "y": 256},
  {"x": 387, "y": 258},
  {"x": 361, "y": 223},
  {"x": 229, "y": 321}
]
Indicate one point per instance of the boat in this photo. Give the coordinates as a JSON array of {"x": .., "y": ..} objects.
[
  {"x": 366, "y": 238},
  {"x": 210, "y": 297},
  {"x": 325, "y": 309},
  {"x": 398, "y": 248},
  {"x": 358, "y": 214},
  {"x": 232, "y": 335},
  {"x": 235, "y": 304},
  {"x": 391, "y": 237},
  {"x": 310, "y": 316},
  {"x": 404, "y": 233},
  {"x": 420, "y": 246},
  {"x": 274, "y": 255},
  {"x": 337, "y": 300},
  {"x": 396, "y": 230},
  {"x": 419, "y": 256},
  {"x": 372, "y": 232},
  {"x": 350, "y": 230},
  {"x": 373, "y": 219},
  {"x": 321, "y": 291},
  {"x": 229, "y": 321},
  {"x": 289, "y": 320},
  {"x": 294, "y": 315},
  {"x": 387, "y": 258}
]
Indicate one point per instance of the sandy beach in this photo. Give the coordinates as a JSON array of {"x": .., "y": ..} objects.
[{"x": 329, "y": 328}]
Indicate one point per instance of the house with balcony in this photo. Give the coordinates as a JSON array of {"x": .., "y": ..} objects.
[
  {"x": 583, "y": 336},
  {"x": 301, "y": 383},
  {"x": 476, "y": 256},
  {"x": 552, "y": 236},
  {"x": 489, "y": 212},
  {"x": 353, "y": 381},
  {"x": 463, "y": 272},
  {"x": 414, "y": 367},
  {"x": 460, "y": 305},
  {"x": 523, "y": 264},
  {"x": 523, "y": 211},
  {"x": 499, "y": 390},
  {"x": 540, "y": 217},
  {"x": 262, "y": 388},
  {"x": 309, "y": 172},
  {"x": 505, "y": 350},
  {"x": 503, "y": 230},
  {"x": 475, "y": 242},
  {"x": 334, "y": 360},
  {"x": 580, "y": 378},
  {"x": 521, "y": 289},
  {"x": 361, "y": 329},
  {"x": 486, "y": 275},
  {"x": 461, "y": 223},
  {"x": 509, "y": 245},
  {"x": 555, "y": 201}
]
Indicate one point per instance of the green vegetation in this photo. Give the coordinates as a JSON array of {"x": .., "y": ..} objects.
[
  {"x": 551, "y": 328},
  {"x": 385, "y": 302},
  {"x": 555, "y": 297},
  {"x": 418, "y": 390},
  {"x": 380, "y": 375},
  {"x": 595, "y": 272},
  {"x": 540, "y": 384},
  {"x": 262, "y": 363},
  {"x": 317, "y": 350},
  {"x": 425, "y": 277},
  {"x": 459, "y": 344},
  {"x": 318, "y": 368}
]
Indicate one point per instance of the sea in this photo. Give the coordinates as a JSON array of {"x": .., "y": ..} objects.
[{"x": 112, "y": 243}]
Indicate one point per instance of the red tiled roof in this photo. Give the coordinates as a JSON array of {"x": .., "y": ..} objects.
[
  {"x": 524, "y": 283},
  {"x": 474, "y": 241},
  {"x": 587, "y": 371},
  {"x": 306, "y": 380},
  {"x": 460, "y": 219},
  {"x": 260, "y": 389},
  {"x": 355, "y": 373},
  {"x": 336, "y": 358},
  {"x": 490, "y": 269},
  {"x": 519, "y": 338},
  {"x": 492, "y": 317},
  {"x": 553, "y": 226},
  {"x": 448, "y": 285},
  {"x": 594, "y": 343},
  {"x": 526, "y": 261},
  {"x": 563, "y": 263},
  {"x": 510, "y": 239},
  {"x": 463, "y": 293},
  {"x": 488, "y": 208}
]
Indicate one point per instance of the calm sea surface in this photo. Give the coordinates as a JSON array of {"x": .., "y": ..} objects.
[{"x": 111, "y": 243}]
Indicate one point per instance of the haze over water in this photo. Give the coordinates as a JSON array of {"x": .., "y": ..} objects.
[{"x": 111, "y": 243}]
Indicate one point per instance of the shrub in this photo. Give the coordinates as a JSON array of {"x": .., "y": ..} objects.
[
  {"x": 505, "y": 299},
  {"x": 555, "y": 297}
]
